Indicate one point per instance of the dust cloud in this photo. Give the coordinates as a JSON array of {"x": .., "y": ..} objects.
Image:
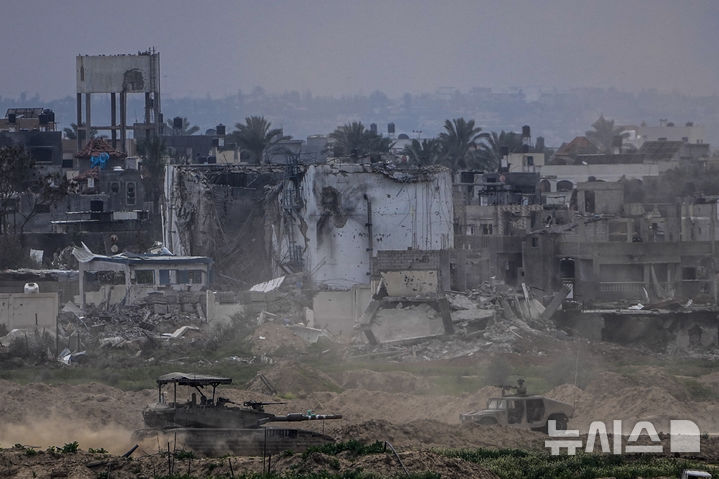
[{"x": 58, "y": 431}]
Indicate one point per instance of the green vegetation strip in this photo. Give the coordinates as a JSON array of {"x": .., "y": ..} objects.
[
  {"x": 355, "y": 447},
  {"x": 356, "y": 474},
  {"x": 519, "y": 464}
]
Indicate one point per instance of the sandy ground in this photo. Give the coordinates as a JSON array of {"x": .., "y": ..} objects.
[{"x": 394, "y": 406}]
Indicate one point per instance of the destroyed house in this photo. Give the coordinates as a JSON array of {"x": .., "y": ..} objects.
[
  {"x": 492, "y": 211},
  {"x": 657, "y": 151},
  {"x": 44, "y": 147},
  {"x": 489, "y": 189},
  {"x": 615, "y": 252},
  {"x": 129, "y": 278}
]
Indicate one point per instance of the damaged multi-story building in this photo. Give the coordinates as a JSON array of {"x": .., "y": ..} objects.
[
  {"x": 637, "y": 271},
  {"x": 492, "y": 213},
  {"x": 327, "y": 220},
  {"x": 340, "y": 224}
]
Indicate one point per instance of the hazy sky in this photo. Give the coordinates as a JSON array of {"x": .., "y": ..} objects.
[{"x": 342, "y": 47}]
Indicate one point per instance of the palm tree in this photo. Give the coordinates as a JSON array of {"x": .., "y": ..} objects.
[
  {"x": 458, "y": 142},
  {"x": 153, "y": 151},
  {"x": 354, "y": 140},
  {"x": 186, "y": 129},
  {"x": 489, "y": 155},
  {"x": 425, "y": 152},
  {"x": 72, "y": 132},
  {"x": 257, "y": 138},
  {"x": 603, "y": 134}
]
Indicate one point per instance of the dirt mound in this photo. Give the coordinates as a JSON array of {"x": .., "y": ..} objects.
[
  {"x": 363, "y": 405},
  {"x": 654, "y": 396},
  {"x": 273, "y": 338},
  {"x": 423, "y": 434},
  {"x": 392, "y": 381},
  {"x": 711, "y": 380},
  {"x": 567, "y": 393},
  {"x": 289, "y": 378}
]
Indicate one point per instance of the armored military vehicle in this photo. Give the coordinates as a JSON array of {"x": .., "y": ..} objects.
[
  {"x": 521, "y": 410},
  {"x": 214, "y": 425}
]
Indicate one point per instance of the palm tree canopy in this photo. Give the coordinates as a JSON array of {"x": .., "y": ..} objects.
[
  {"x": 603, "y": 134},
  {"x": 425, "y": 152},
  {"x": 72, "y": 132},
  {"x": 257, "y": 137},
  {"x": 186, "y": 129},
  {"x": 353, "y": 139},
  {"x": 489, "y": 155},
  {"x": 458, "y": 140}
]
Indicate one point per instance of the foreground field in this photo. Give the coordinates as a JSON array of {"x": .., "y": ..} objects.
[
  {"x": 352, "y": 460},
  {"x": 414, "y": 405},
  {"x": 398, "y": 404}
]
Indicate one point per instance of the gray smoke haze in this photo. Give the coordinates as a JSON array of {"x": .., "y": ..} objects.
[{"x": 340, "y": 47}]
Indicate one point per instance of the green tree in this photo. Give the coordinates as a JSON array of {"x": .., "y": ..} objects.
[
  {"x": 354, "y": 140},
  {"x": 153, "y": 151},
  {"x": 489, "y": 154},
  {"x": 43, "y": 192},
  {"x": 72, "y": 132},
  {"x": 23, "y": 191},
  {"x": 186, "y": 129},
  {"x": 603, "y": 133},
  {"x": 425, "y": 152},
  {"x": 459, "y": 140},
  {"x": 257, "y": 137},
  {"x": 16, "y": 168}
]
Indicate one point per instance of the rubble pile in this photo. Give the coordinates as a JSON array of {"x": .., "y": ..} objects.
[
  {"x": 129, "y": 327},
  {"x": 492, "y": 318}
]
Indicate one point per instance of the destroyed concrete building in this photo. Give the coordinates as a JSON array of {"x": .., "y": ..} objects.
[
  {"x": 339, "y": 224},
  {"x": 33, "y": 129},
  {"x": 131, "y": 279},
  {"x": 492, "y": 212},
  {"x": 339, "y": 216},
  {"x": 626, "y": 251},
  {"x": 98, "y": 194},
  {"x": 102, "y": 204},
  {"x": 220, "y": 211},
  {"x": 326, "y": 220}
]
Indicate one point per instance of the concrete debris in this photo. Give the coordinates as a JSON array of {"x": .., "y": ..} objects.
[
  {"x": 265, "y": 316},
  {"x": 391, "y": 319},
  {"x": 180, "y": 332},
  {"x": 492, "y": 318},
  {"x": 311, "y": 335},
  {"x": 71, "y": 307},
  {"x": 66, "y": 357},
  {"x": 268, "y": 286}
]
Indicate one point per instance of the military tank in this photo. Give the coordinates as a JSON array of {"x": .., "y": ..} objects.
[{"x": 212, "y": 425}]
